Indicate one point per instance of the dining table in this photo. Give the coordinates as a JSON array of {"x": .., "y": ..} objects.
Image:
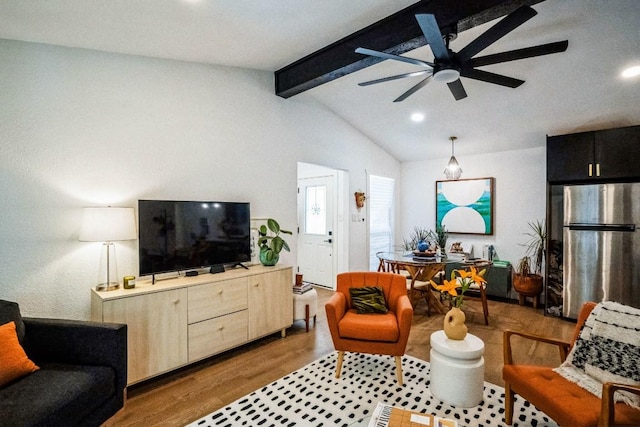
[{"x": 421, "y": 268}]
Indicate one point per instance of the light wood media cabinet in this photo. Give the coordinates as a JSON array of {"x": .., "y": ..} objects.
[{"x": 182, "y": 320}]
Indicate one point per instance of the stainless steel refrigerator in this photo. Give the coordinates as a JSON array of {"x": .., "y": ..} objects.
[{"x": 601, "y": 245}]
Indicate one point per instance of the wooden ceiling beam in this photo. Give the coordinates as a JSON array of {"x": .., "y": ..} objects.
[{"x": 397, "y": 34}]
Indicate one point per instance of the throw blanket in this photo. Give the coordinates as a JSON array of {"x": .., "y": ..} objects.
[{"x": 607, "y": 350}]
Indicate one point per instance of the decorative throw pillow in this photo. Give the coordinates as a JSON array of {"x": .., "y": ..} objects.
[
  {"x": 14, "y": 362},
  {"x": 368, "y": 299},
  {"x": 607, "y": 350},
  {"x": 11, "y": 311}
]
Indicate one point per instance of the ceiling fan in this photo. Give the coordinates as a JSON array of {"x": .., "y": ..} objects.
[{"x": 449, "y": 66}]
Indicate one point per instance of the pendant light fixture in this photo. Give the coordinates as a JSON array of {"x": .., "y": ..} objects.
[{"x": 453, "y": 170}]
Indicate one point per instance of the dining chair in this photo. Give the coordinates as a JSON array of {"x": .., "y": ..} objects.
[
  {"x": 419, "y": 285},
  {"x": 478, "y": 291}
]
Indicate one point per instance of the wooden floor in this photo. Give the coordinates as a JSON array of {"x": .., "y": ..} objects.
[{"x": 186, "y": 395}]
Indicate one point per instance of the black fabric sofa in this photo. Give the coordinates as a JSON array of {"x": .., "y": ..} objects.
[{"x": 82, "y": 376}]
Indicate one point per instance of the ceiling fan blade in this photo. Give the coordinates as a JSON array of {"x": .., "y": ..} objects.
[
  {"x": 502, "y": 28},
  {"x": 514, "y": 55},
  {"x": 457, "y": 90},
  {"x": 383, "y": 55},
  {"x": 488, "y": 77},
  {"x": 399, "y": 76},
  {"x": 433, "y": 36},
  {"x": 413, "y": 90}
]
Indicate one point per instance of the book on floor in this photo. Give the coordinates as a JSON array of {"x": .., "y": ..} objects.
[{"x": 389, "y": 416}]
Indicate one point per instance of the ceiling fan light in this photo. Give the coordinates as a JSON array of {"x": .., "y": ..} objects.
[
  {"x": 447, "y": 75},
  {"x": 631, "y": 72}
]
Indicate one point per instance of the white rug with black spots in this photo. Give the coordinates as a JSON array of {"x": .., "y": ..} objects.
[{"x": 312, "y": 396}]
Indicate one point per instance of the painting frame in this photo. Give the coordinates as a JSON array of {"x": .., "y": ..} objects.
[{"x": 466, "y": 206}]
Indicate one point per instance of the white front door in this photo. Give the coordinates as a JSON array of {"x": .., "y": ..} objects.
[{"x": 315, "y": 237}]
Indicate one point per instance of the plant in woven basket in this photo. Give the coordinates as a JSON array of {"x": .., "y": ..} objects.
[
  {"x": 527, "y": 279},
  {"x": 532, "y": 262}
]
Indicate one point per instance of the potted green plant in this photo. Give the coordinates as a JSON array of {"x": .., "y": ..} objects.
[
  {"x": 417, "y": 236},
  {"x": 527, "y": 280},
  {"x": 271, "y": 244},
  {"x": 441, "y": 238}
]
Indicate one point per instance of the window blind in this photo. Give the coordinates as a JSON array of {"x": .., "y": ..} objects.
[{"x": 381, "y": 218}]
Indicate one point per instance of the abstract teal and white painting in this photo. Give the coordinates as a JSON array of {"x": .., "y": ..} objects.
[{"x": 465, "y": 206}]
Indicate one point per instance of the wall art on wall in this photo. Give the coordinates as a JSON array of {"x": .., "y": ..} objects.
[{"x": 465, "y": 206}]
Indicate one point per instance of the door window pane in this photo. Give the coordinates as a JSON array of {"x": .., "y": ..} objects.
[{"x": 315, "y": 208}]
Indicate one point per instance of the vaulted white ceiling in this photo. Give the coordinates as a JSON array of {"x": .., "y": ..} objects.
[{"x": 580, "y": 89}]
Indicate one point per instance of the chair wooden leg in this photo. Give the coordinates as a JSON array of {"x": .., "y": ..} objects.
[
  {"x": 399, "y": 369},
  {"x": 485, "y": 307},
  {"x": 426, "y": 299},
  {"x": 428, "y": 295},
  {"x": 339, "y": 363},
  {"x": 509, "y": 396}
]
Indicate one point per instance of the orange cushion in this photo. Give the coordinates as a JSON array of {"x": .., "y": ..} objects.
[
  {"x": 564, "y": 401},
  {"x": 369, "y": 327},
  {"x": 14, "y": 362}
]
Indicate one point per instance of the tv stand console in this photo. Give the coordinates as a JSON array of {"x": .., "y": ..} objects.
[{"x": 182, "y": 320}]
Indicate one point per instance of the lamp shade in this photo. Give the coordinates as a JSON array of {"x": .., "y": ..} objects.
[
  {"x": 107, "y": 224},
  {"x": 453, "y": 169}
]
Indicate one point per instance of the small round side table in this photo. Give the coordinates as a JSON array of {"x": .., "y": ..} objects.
[
  {"x": 457, "y": 369},
  {"x": 305, "y": 306}
]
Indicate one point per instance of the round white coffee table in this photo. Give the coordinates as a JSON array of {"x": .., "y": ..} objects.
[{"x": 457, "y": 369}]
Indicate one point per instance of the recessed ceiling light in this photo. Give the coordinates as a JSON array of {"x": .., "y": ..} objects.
[
  {"x": 631, "y": 72},
  {"x": 417, "y": 117}
]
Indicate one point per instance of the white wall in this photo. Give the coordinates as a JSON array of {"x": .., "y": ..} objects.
[
  {"x": 84, "y": 128},
  {"x": 520, "y": 196}
]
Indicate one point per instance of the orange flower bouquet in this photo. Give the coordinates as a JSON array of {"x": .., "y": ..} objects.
[{"x": 461, "y": 281}]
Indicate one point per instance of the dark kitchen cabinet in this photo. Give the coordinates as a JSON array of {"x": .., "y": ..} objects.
[
  {"x": 606, "y": 155},
  {"x": 618, "y": 152},
  {"x": 569, "y": 156}
]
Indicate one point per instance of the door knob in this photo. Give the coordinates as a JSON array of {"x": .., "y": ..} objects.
[{"x": 327, "y": 241}]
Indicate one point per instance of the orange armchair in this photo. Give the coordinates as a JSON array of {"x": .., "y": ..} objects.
[
  {"x": 564, "y": 401},
  {"x": 370, "y": 333}
]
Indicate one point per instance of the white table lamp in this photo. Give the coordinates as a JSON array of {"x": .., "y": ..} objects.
[{"x": 107, "y": 224}]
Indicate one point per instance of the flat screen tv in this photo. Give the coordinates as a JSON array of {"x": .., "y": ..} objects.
[{"x": 187, "y": 235}]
